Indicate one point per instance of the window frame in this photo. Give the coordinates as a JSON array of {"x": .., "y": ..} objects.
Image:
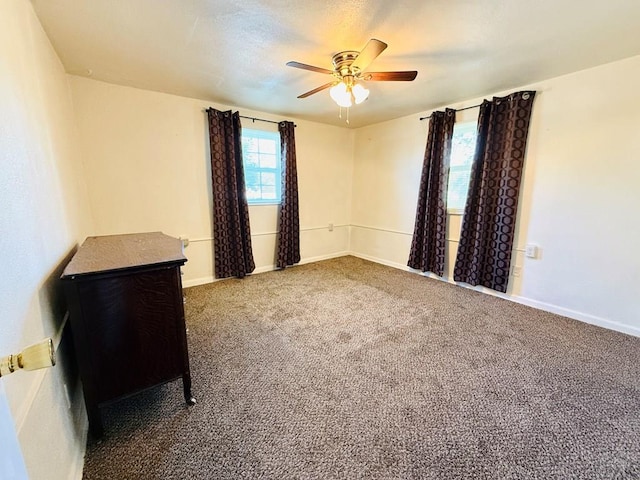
[{"x": 269, "y": 135}]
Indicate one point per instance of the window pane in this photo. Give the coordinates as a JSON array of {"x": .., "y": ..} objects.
[
  {"x": 267, "y": 146},
  {"x": 251, "y": 178},
  {"x": 268, "y": 193},
  {"x": 463, "y": 146},
  {"x": 252, "y": 160},
  {"x": 458, "y": 185},
  {"x": 251, "y": 144},
  {"x": 253, "y": 193},
  {"x": 268, "y": 178},
  {"x": 267, "y": 160}
]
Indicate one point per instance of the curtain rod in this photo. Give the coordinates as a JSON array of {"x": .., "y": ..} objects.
[
  {"x": 253, "y": 119},
  {"x": 457, "y": 110},
  {"x": 256, "y": 119}
]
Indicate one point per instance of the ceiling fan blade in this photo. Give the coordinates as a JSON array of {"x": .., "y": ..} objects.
[
  {"x": 391, "y": 76},
  {"x": 316, "y": 90},
  {"x": 304, "y": 66},
  {"x": 369, "y": 53}
]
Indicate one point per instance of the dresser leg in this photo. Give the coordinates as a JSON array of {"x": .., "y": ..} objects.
[
  {"x": 186, "y": 384},
  {"x": 95, "y": 422}
]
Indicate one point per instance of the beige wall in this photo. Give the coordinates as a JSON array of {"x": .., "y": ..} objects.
[
  {"x": 147, "y": 162},
  {"x": 578, "y": 201},
  {"x": 44, "y": 214}
]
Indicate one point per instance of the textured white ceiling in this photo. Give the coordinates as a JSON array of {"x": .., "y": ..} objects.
[{"x": 234, "y": 52}]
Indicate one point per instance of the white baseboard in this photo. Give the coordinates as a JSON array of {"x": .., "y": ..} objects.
[
  {"x": 576, "y": 315},
  {"x": 77, "y": 464},
  {"x": 265, "y": 268},
  {"x": 381, "y": 261},
  {"x": 328, "y": 256},
  {"x": 318, "y": 258},
  {"x": 194, "y": 282},
  {"x": 547, "y": 307}
]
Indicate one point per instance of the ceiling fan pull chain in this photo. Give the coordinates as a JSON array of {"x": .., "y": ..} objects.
[{"x": 340, "y": 114}]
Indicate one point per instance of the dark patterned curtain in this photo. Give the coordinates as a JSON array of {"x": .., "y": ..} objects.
[
  {"x": 428, "y": 247},
  {"x": 232, "y": 236},
  {"x": 288, "y": 222},
  {"x": 488, "y": 224}
]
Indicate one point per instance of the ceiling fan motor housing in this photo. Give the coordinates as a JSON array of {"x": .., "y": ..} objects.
[{"x": 342, "y": 63}]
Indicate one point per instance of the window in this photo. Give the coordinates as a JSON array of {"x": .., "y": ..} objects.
[
  {"x": 463, "y": 146},
  {"x": 262, "y": 168}
]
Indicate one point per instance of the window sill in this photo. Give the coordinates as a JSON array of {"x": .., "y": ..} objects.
[
  {"x": 455, "y": 211},
  {"x": 259, "y": 204}
]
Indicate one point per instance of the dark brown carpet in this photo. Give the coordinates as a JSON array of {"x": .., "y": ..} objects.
[{"x": 345, "y": 369}]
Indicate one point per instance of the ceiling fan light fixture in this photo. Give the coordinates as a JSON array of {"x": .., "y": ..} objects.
[
  {"x": 341, "y": 94},
  {"x": 360, "y": 94}
]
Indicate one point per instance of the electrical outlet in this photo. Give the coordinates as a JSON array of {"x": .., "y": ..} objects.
[
  {"x": 331, "y": 227},
  {"x": 531, "y": 250},
  {"x": 517, "y": 270}
]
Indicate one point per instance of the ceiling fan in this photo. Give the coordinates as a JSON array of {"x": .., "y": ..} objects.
[{"x": 349, "y": 68}]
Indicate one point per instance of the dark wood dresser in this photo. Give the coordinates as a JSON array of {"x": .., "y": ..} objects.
[{"x": 124, "y": 295}]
